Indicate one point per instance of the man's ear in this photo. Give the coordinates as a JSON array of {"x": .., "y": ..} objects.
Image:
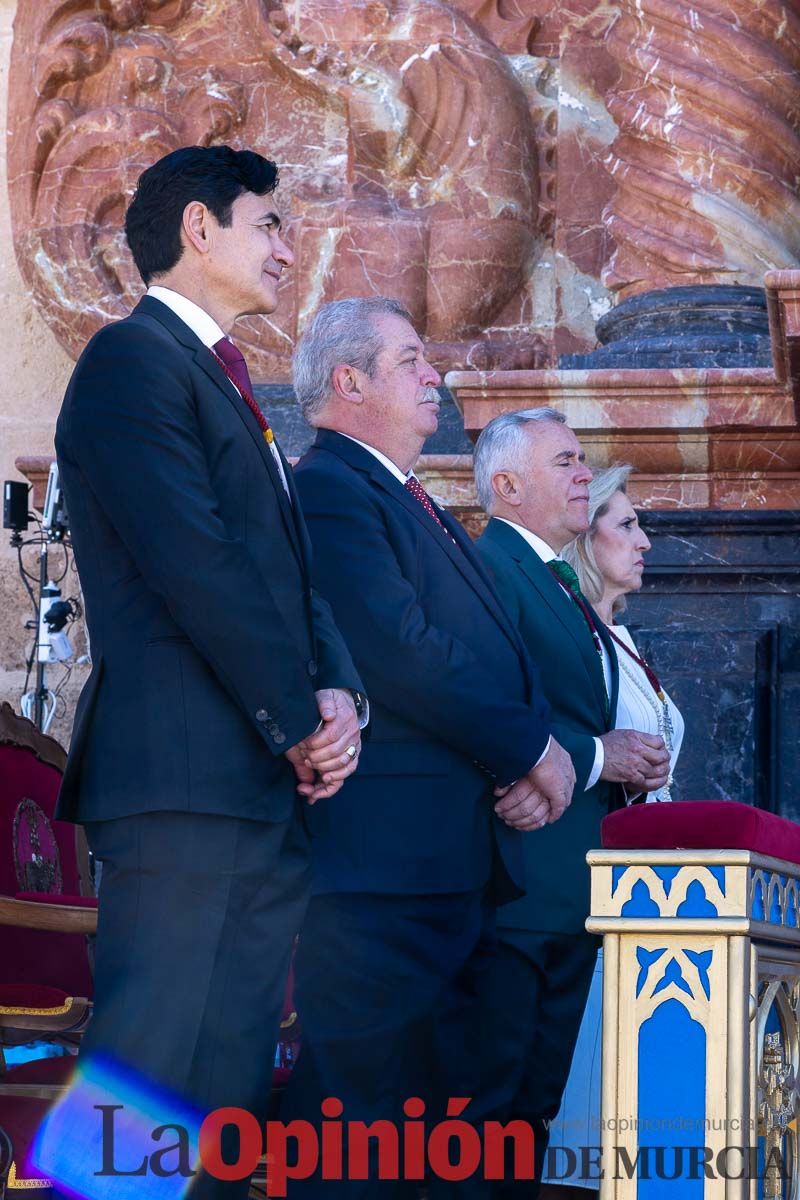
[
  {"x": 345, "y": 384},
  {"x": 505, "y": 486},
  {"x": 195, "y": 226}
]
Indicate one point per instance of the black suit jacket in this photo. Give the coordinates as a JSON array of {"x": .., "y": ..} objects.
[
  {"x": 207, "y": 640},
  {"x": 455, "y": 704},
  {"x": 558, "y": 639}
]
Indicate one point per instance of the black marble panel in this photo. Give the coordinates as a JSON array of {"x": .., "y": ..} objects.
[
  {"x": 719, "y": 618},
  {"x": 295, "y": 435},
  {"x": 706, "y": 325}
]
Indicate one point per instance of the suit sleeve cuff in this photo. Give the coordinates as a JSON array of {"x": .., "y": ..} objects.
[
  {"x": 543, "y": 755},
  {"x": 599, "y": 762}
]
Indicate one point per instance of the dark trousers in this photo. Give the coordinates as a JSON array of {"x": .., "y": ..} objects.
[
  {"x": 387, "y": 994},
  {"x": 535, "y": 998},
  {"x": 196, "y": 922}
]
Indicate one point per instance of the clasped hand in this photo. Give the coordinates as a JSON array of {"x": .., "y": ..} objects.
[
  {"x": 321, "y": 761},
  {"x": 540, "y": 797},
  {"x": 639, "y": 760}
]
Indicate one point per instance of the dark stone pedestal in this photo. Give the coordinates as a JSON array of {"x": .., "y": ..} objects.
[
  {"x": 719, "y": 618},
  {"x": 701, "y": 326}
]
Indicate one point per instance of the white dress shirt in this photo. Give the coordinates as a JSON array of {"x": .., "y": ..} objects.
[
  {"x": 209, "y": 332},
  {"x": 547, "y": 554},
  {"x": 382, "y": 459}
]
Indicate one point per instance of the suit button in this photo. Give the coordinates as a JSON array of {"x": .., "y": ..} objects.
[
  {"x": 273, "y": 728},
  {"x": 279, "y": 738},
  {"x": 262, "y": 716},
  {"x": 311, "y": 667}
]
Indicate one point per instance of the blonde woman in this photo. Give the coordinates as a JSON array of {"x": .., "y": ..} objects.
[{"x": 609, "y": 561}]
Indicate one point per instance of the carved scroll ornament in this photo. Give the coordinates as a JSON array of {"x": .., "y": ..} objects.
[
  {"x": 707, "y": 160},
  {"x": 406, "y": 143}
]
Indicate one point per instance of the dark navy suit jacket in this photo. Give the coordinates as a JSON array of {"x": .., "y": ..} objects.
[
  {"x": 207, "y": 640},
  {"x": 455, "y": 701}
]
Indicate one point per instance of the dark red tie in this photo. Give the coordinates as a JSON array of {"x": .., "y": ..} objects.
[
  {"x": 235, "y": 367},
  {"x": 413, "y": 485}
]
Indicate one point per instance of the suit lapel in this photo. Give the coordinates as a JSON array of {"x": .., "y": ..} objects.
[
  {"x": 299, "y": 525},
  {"x": 468, "y": 551},
  {"x": 208, "y": 363},
  {"x": 564, "y": 610},
  {"x": 462, "y": 555}
]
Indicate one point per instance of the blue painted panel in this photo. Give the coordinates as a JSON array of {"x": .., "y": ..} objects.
[
  {"x": 697, "y": 903},
  {"x": 758, "y": 913},
  {"x": 673, "y": 974},
  {"x": 645, "y": 959},
  {"x": 702, "y": 960},
  {"x": 791, "y": 910},
  {"x": 672, "y": 1105},
  {"x": 616, "y": 875},
  {"x": 719, "y": 875},
  {"x": 641, "y": 903},
  {"x": 666, "y": 875},
  {"x": 775, "y": 911},
  {"x": 773, "y": 1023}
]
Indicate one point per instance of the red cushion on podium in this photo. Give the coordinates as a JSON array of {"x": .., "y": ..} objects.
[{"x": 701, "y": 825}]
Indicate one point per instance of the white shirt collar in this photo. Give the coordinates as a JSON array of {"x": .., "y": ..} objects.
[
  {"x": 386, "y": 462},
  {"x": 546, "y": 553},
  {"x": 198, "y": 320}
]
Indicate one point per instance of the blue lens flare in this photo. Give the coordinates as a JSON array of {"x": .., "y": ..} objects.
[{"x": 115, "y": 1134}]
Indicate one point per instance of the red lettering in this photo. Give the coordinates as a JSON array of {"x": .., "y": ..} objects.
[
  {"x": 210, "y": 1143},
  {"x": 304, "y": 1135},
  {"x": 494, "y": 1149}
]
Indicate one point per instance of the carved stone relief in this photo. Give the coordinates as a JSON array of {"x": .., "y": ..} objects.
[
  {"x": 408, "y": 149},
  {"x": 507, "y": 168},
  {"x": 707, "y": 160}
]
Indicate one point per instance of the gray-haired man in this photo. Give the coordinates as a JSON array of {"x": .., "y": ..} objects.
[
  {"x": 408, "y": 864},
  {"x": 532, "y": 479}
]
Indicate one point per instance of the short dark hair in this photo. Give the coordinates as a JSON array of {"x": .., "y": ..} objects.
[{"x": 214, "y": 175}]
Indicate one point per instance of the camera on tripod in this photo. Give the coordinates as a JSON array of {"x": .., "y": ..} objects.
[
  {"x": 54, "y": 515},
  {"x": 15, "y": 509},
  {"x": 52, "y": 643}
]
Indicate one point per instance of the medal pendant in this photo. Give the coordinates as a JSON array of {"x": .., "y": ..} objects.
[{"x": 669, "y": 728}]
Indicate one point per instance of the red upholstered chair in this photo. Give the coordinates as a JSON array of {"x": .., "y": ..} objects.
[
  {"x": 18, "y": 1124},
  {"x": 46, "y": 904}
]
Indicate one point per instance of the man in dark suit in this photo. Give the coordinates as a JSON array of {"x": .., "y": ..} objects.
[
  {"x": 410, "y": 856},
  {"x": 532, "y": 479},
  {"x": 221, "y": 694}
]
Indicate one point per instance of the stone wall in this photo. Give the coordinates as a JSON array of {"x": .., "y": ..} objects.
[
  {"x": 33, "y": 373},
  {"x": 529, "y": 176}
]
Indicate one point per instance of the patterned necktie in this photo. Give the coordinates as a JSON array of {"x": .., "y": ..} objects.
[
  {"x": 413, "y": 485},
  {"x": 235, "y": 368},
  {"x": 565, "y": 574},
  {"x": 232, "y": 362}
]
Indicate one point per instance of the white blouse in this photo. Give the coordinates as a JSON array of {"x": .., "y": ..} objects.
[{"x": 638, "y": 707}]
